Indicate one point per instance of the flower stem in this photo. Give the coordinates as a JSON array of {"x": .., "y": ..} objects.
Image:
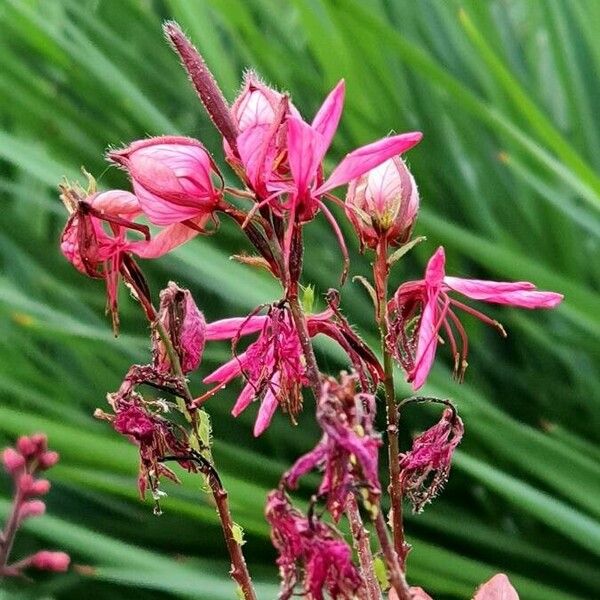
[
  {"x": 239, "y": 570},
  {"x": 381, "y": 276},
  {"x": 360, "y": 535},
  {"x": 397, "y": 578},
  {"x": 7, "y": 537}
]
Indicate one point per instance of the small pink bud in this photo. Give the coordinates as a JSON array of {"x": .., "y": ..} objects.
[
  {"x": 50, "y": 561},
  {"x": 173, "y": 178},
  {"x": 31, "y": 508},
  {"x": 48, "y": 459},
  {"x": 186, "y": 327},
  {"x": 13, "y": 461},
  {"x": 383, "y": 203},
  {"x": 33, "y": 487},
  {"x": 27, "y": 446},
  {"x": 40, "y": 440}
]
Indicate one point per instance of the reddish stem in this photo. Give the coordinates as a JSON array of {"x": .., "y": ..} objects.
[
  {"x": 10, "y": 530},
  {"x": 360, "y": 535}
]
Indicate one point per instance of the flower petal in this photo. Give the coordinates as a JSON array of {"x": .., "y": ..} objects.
[
  {"x": 367, "y": 157},
  {"x": 305, "y": 152},
  {"x": 426, "y": 344},
  {"x": 227, "y": 371},
  {"x": 518, "y": 293},
  {"x": 327, "y": 119},
  {"x": 435, "y": 270},
  {"x": 168, "y": 239},
  {"x": 225, "y": 329},
  {"x": 267, "y": 409},
  {"x": 246, "y": 396}
]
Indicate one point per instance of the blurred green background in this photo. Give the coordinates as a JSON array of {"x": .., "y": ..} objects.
[{"x": 506, "y": 93}]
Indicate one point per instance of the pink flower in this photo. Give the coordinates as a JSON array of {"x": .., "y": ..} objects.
[
  {"x": 310, "y": 550},
  {"x": 173, "y": 178},
  {"x": 426, "y": 467},
  {"x": 97, "y": 241},
  {"x": 382, "y": 204},
  {"x": 497, "y": 588},
  {"x": 307, "y": 145},
  {"x": 186, "y": 327},
  {"x": 348, "y": 451},
  {"x": 273, "y": 366},
  {"x": 415, "y": 347}
]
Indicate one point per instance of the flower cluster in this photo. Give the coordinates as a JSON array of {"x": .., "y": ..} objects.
[
  {"x": 349, "y": 448},
  {"x": 23, "y": 463},
  {"x": 310, "y": 552},
  {"x": 178, "y": 193}
]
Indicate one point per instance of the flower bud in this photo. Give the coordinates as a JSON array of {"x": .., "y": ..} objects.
[
  {"x": 50, "y": 561},
  {"x": 48, "y": 459},
  {"x": 13, "y": 461},
  {"x": 27, "y": 446},
  {"x": 173, "y": 178},
  {"x": 31, "y": 508},
  {"x": 185, "y": 326},
  {"x": 33, "y": 487},
  {"x": 383, "y": 204}
]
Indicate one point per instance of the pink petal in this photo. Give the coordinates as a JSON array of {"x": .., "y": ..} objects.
[
  {"x": 158, "y": 210},
  {"x": 267, "y": 409},
  {"x": 116, "y": 202},
  {"x": 497, "y": 588},
  {"x": 227, "y": 371},
  {"x": 168, "y": 239},
  {"x": 426, "y": 344},
  {"x": 246, "y": 396},
  {"x": 417, "y": 593},
  {"x": 249, "y": 144},
  {"x": 327, "y": 119},
  {"x": 518, "y": 293},
  {"x": 226, "y": 329},
  {"x": 435, "y": 270},
  {"x": 305, "y": 152},
  {"x": 367, "y": 157}
]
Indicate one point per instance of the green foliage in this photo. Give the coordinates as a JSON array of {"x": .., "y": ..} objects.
[{"x": 504, "y": 92}]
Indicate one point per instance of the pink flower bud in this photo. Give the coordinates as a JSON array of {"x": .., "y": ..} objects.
[
  {"x": 173, "y": 178},
  {"x": 185, "y": 326},
  {"x": 48, "y": 459},
  {"x": 27, "y": 446},
  {"x": 40, "y": 440},
  {"x": 50, "y": 561},
  {"x": 383, "y": 203},
  {"x": 31, "y": 508},
  {"x": 33, "y": 487},
  {"x": 13, "y": 461}
]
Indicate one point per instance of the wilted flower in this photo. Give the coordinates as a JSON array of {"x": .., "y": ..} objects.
[
  {"x": 96, "y": 238},
  {"x": 421, "y": 309},
  {"x": 185, "y": 326},
  {"x": 273, "y": 366},
  {"x": 310, "y": 552},
  {"x": 141, "y": 422},
  {"x": 173, "y": 178},
  {"x": 348, "y": 451},
  {"x": 425, "y": 468},
  {"x": 382, "y": 204}
]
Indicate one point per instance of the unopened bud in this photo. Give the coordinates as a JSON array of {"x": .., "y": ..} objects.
[
  {"x": 33, "y": 487},
  {"x": 27, "y": 446},
  {"x": 40, "y": 440},
  {"x": 383, "y": 204},
  {"x": 172, "y": 176},
  {"x": 186, "y": 327},
  {"x": 31, "y": 508},
  {"x": 48, "y": 459},
  {"x": 13, "y": 461},
  {"x": 50, "y": 561}
]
